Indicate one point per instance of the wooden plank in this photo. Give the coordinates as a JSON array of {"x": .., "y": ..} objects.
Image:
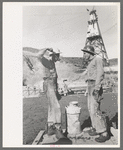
[{"x": 38, "y": 137}]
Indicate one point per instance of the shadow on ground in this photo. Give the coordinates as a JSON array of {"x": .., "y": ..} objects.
[{"x": 35, "y": 113}]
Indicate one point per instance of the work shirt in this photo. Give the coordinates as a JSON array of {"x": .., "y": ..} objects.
[
  {"x": 49, "y": 69},
  {"x": 95, "y": 71}
]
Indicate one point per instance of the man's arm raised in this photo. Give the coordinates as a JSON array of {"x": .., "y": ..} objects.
[
  {"x": 38, "y": 54},
  {"x": 43, "y": 51}
]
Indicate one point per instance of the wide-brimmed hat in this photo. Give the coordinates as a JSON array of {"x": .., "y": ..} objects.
[
  {"x": 55, "y": 52},
  {"x": 89, "y": 49}
]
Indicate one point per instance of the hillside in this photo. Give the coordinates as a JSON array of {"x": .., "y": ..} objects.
[
  {"x": 69, "y": 68},
  {"x": 34, "y": 50},
  {"x": 77, "y": 61}
]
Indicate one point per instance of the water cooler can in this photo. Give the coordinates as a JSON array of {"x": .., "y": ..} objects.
[{"x": 72, "y": 115}]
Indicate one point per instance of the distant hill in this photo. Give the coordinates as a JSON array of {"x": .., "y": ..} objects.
[
  {"x": 68, "y": 68},
  {"x": 77, "y": 61},
  {"x": 34, "y": 50},
  {"x": 113, "y": 62}
]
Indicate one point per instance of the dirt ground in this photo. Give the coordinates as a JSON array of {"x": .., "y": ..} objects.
[{"x": 35, "y": 113}]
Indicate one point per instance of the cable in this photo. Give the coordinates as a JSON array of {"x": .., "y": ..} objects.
[
  {"x": 64, "y": 22},
  {"x": 60, "y": 23},
  {"x": 36, "y": 15},
  {"x": 110, "y": 28},
  {"x": 68, "y": 37},
  {"x": 102, "y": 33}
]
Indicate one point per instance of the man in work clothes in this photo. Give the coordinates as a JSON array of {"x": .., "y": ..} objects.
[
  {"x": 95, "y": 76},
  {"x": 50, "y": 87}
]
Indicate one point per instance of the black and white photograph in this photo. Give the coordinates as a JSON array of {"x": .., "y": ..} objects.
[{"x": 69, "y": 77}]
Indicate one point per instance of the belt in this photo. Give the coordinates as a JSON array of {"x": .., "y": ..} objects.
[
  {"x": 90, "y": 80},
  {"x": 44, "y": 78},
  {"x": 50, "y": 78}
]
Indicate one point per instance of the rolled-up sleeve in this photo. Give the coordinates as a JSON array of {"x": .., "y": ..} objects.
[{"x": 100, "y": 73}]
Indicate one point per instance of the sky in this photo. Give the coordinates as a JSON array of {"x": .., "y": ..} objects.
[{"x": 65, "y": 27}]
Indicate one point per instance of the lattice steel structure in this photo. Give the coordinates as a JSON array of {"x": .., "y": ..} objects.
[{"x": 94, "y": 36}]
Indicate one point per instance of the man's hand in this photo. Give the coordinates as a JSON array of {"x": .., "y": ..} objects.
[
  {"x": 84, "y": 74},
  {"x": 96, "y": 94},
  {"x": 86, "y": 93},
  {"x": 50, "y": 49}
]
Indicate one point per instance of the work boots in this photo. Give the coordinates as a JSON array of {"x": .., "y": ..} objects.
[
  {"x": 62, "y": 140},
  {"x": 92, "y": 132},
  {"x": 102, "y": 138},
  {"x": 51, "y": 129}
]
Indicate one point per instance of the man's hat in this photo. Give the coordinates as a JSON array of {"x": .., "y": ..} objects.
[
  {"x": 55, "y": 52},
  {"x": 65, "y": 80},
  {"x": 89, "y": 49}
]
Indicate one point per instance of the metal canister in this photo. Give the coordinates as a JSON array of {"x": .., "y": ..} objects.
[{"x": 73, "y": 123}]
